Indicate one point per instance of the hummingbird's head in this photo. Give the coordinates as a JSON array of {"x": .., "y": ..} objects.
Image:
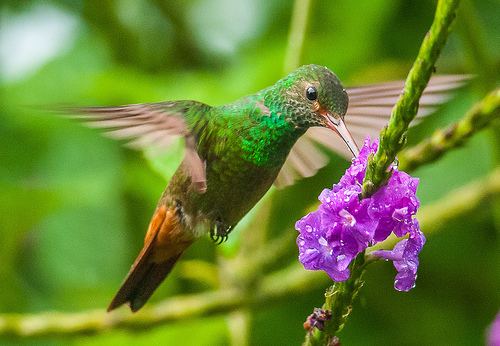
[{"x": 315, "y": 97}]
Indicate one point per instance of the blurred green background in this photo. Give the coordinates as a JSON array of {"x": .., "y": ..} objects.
[{"x": 74, "y": 205}]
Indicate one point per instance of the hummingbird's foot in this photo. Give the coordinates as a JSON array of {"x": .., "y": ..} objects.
[{"x": 219, "y": 232}]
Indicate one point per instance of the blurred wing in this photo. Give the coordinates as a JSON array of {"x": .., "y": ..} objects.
[
  {"x": 150, "y": 125},
  {"x": 304, "y": 160},
  {"x": 369, "y": 111}
]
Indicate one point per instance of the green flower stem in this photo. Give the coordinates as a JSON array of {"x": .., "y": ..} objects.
[
  {"x": 432, "y": 148},
  {"x": 393, "y": 137},
  {"x": 338, "y": 299}
]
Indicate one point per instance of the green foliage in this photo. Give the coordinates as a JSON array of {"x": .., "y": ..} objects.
[{"x": 74, "y": 206}]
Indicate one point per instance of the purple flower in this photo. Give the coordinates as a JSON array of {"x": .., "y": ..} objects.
[
  {"x": 356, "y": 172},
  {"x": 395, "y": 205},
  {"x": 494, "y": 332},
  {"x": 405, "y": 258},
  {"x": 345, "y": 225},
  {"x": 345, "y": 215},
  {"x": 317, "y": 253}
]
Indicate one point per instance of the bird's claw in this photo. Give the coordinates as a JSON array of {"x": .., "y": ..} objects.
[
  {"x": 218, "y": 239},
  {"x": 220, "y": 232}
]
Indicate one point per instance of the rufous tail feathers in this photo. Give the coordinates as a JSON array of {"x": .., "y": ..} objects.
[{"x": 164, "y": 243}]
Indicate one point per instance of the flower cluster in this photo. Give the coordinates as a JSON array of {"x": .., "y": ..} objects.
[{"x": 345, "y": 225}]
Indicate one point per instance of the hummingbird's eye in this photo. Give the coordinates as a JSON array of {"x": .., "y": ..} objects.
[{"x": 311, "y": 93}]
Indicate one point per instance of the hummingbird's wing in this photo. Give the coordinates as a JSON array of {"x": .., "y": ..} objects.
[
  {"x": 151, "y": 125},
  {"x": 368, "y": 112}
]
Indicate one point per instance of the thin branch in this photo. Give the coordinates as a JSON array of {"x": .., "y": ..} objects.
[
  {"x": 273, "y": 289},
  {"x": 432, "y": 148},
  {"x": 393, "y": 137},
  {"x": 462, "y": 200},
  {"x": 296, "y": 35}
]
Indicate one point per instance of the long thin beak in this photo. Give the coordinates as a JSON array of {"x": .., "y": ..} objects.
[{"x": 338, "y": 125}]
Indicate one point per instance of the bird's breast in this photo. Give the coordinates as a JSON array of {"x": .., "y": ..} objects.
[{"x": 234, "y": 186}]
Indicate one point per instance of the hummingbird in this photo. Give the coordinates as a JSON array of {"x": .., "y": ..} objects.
[{"x": 235, "y": 152}]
